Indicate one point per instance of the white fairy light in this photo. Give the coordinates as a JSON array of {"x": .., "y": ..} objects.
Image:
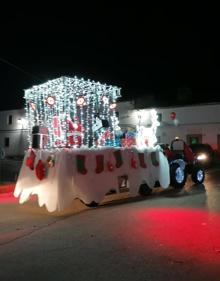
[
  {"x": 146, "y": 136},
  {"x": 69, "y": 97}
]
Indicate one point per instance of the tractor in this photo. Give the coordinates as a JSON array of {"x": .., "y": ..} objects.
[{"x": 183, "y": 162}]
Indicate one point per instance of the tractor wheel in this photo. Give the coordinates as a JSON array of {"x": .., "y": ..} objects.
[
  {"x": 198, "y": 175},
  {"x": 157, "y": 184},
  {"x": 144, "y": 190},
  {"x": 177, "y": 176},
  {"x": 93, "y": 204}
]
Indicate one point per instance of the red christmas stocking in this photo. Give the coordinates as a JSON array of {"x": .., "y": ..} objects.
[
  {"x": 30, "y": 160},
  {"x": 110, "y": 166},
  {"x": 118, "y": 158},
  {"x": 80, "y": 164},
  {"x": 133, "y": 162},
  {"x": 154, "y": 159},
  {"x": 141, "y": 160},
  {"x": 99, "y": 163},
  {"x": 40, "y": 170}
]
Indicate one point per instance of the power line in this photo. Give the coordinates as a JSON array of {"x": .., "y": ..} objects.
[{"x": 19, "y": 68}]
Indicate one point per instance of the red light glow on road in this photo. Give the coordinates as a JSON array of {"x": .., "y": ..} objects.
[
  {"x": 7, "y": 198},
  {"x": 191, "y": 232}
]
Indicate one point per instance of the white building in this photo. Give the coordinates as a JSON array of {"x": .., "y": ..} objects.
[
  {"x": 13, "y": 133},
  {"x": 195, "y": 123}
]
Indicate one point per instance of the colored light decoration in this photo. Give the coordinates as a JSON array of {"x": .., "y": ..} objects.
[
  {"x": 50, "y": 101},
  {"x": 112, "y": 106},
  {"x": 81, "y": 101},
  {"x": 71, "y": 99}
]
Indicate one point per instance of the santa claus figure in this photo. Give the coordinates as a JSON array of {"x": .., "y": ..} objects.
[{"x": 74, "y": 132}]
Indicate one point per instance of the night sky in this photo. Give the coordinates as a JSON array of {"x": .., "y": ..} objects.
[{"x": 168, "y": 53}]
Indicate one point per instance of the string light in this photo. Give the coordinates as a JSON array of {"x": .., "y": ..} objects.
[
  {"x": 146, "y": 136},
  {"x": 52, "y": 103}
]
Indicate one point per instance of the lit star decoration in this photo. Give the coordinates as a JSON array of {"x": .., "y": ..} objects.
[{"x": 68, "y": 107}]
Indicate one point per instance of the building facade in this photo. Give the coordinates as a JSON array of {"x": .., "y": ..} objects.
[
  {"x": 194, "y": 124},
  {"x": 13, "y": 133}
]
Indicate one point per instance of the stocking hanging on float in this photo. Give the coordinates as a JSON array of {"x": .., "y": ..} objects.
[
  {"x": 133, "y": 162},
  {"x": 80, "y": 164},
  {"x": 154, "y": 159},
  {"x": 40, "y": 170},
  {"x": 30, "y": 160},
  {"x": 110, "y": 166},
  {"x": 141, "y": 160},
  {"x": 99, "y": 163},
  {"x": 118, "y": 158}
]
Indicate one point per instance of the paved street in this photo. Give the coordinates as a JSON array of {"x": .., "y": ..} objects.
[{"x": 167, "y": 236}]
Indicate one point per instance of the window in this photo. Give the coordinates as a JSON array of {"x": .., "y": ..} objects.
[
  {"x": 159, "y": 117},
  {"x": 7, "y": 142},
  {"x": 9, "y": 119},
  {"x": 194, "y": 140}
]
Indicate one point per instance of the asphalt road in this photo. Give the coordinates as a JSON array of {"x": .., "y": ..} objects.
[{"x": 167, "y": 236}]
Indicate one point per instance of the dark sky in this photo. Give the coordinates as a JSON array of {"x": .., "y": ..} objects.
[{"x": 169, "y": 52}]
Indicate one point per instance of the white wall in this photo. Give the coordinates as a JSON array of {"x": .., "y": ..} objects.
[
  {"x": 197, "y": 119},
  {"x": 15, "y": 131},
  {"x": 196, "y": 114}
]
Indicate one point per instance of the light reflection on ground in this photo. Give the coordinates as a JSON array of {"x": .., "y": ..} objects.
[
  {"x": 7, "y": 197},
  {"x": 188, "y": 232}
]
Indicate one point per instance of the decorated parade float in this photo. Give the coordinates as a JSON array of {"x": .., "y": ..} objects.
[{"x": 77, "y": 149}]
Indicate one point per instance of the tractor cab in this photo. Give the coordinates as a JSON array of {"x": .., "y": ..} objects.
[{"x": 180, "y": 150}]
